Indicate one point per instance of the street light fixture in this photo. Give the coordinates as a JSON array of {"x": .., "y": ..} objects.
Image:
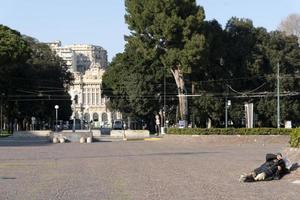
[
  {"x": 88, "y": 116},
  {"x": 75, "y": 99},
  {"x": 227, "y": 105},
  {"x": 56, "y": 115}
]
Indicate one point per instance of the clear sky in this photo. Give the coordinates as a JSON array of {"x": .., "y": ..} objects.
[{"x": 101, "y": 22}]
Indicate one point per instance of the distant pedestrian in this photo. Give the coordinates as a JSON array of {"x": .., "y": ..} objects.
[{"x": 157, "y": 124}]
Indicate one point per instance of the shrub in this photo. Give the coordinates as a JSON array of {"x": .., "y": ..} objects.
[
  {"x": 4, "y": 134},
  {"x": 295, "y": 138},
  {"x": 229, "y": 131}
]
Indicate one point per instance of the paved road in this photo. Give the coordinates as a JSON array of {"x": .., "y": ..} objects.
[{"x": 169, "y": 169}]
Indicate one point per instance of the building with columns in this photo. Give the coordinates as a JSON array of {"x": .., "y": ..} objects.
[{"x": 88, "y": 64}]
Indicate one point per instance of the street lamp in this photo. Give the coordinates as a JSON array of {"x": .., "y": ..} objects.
[
  {"x": 56, "y": 115},
  {"x": 227, "y": 105},
  {"x": 74, "y": 122},
  {"x": 88, "y": 116},
  {"x": 74, "y": 114}
]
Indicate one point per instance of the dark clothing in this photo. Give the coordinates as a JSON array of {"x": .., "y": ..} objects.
[{"x": 270, "y": 167}]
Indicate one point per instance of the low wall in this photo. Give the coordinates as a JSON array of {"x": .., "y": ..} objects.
[
  {"x": 96, "y": 133},
  {"x": 117, "y": 133},
  {"x": 130, "y": 134},
  {"x": 45, "y": 133},
  {"x": 105, "y": 131},
  {"x": 71, "y": 136}
]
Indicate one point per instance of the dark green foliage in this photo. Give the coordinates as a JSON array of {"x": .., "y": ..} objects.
[
  {"x": 13, "y": 48},
  {"x": 31, "y": 77},
  {"x": 133, "y": 83},
  {"x": 5, "y": 134},
  {"x": 248, "y": 74},
  {"x": 239, "y": 62},
  {"x": 229, "y": 131},
  {"x": 172, "y": 32},
  {"x": 295, "y": 138}
]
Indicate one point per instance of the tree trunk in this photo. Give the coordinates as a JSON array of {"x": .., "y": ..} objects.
[{"x": 183, "y": 101}]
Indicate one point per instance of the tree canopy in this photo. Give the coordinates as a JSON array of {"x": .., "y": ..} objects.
[
  {"x": 203, "y": 64},
  {"x": 32, "y": 79},
  {"x": 173, "y": 32}
]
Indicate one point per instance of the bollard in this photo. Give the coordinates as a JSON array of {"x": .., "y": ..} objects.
[
  {"x": 62, "y": 140},
  {"x": 89, "y": 140},
  {"x": 55, "y": 140},
  {"x": 82, "y": 140}
]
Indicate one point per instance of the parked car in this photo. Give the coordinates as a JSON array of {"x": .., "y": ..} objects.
[{"x": 118, "y": 124}]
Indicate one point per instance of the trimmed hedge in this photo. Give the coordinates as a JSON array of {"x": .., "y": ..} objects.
[
  {"x": 295, "y": 138},
  {"x": 229, "y": 131},
  {"x": 4, "y": 134}
]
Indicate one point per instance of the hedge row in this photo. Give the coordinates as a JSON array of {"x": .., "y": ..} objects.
[
  {"x": 229, "y": 131},
  {"x": 295, "y": 138},
  {"x": 4, "y": 134}
]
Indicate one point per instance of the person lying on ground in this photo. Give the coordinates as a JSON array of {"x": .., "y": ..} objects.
[{"x": 273, "y": 169}]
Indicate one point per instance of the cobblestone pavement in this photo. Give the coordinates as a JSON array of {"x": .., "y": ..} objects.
[{"x": 174, "y": 168}]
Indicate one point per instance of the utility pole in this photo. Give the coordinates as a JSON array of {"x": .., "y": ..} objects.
[
  {"x": 226, "y": 113},
  {"x": 226, "y": 107},
  {"x": 164, "y": 110},
  {"x": 278, "y": 97}
]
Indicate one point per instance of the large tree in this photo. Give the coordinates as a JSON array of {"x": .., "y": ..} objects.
[
  {"x": 247, "y": 74},
  {"x": 32, "y": 78},
  {"x": 50, "y": 80},
  {"x": 172, "y": 30},
  {"x": 14, "y": 51},
  {"x": 291, "y": 25},
  {"x": 252, "y": 57},
  {"x": 134, "y": 84}
]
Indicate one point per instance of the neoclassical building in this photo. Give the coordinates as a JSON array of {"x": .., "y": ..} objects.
[{"x": 88, "y": 64}]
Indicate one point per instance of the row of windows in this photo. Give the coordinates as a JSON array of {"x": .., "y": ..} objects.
[
  {"x": 95, "y": 116},
  {"x": 91, "y": 96}
]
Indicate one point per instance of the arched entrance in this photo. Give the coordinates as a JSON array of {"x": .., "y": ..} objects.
[
  {"x": 104, "y": 118},
  {"x": 95, "y": 117},
  {"x": 86, "y": 117}
]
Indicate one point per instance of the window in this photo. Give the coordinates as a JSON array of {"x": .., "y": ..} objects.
[
  {"x": 97, "y": 96},
  {"x": 88, "y": 96},
  {"x": 84, "y": 97},
  {"x": 95, "y": 117},
  {"x": 86, "y": 117},
  {"x": 104, "y": 117},
  {"x": 76, "y": 99},
  {"x": 93, "y": 96}
]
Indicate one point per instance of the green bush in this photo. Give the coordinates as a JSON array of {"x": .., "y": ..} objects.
[
  {"x": 295, "y": 138},
  {"x": 4, "y": 134},
  {"x": 229, "y": 131}
]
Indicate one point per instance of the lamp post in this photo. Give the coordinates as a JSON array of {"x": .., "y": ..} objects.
[
  {"x": 74, "y": 115},
  {"x": 56, "y": 115},
  {"x": 278, "y": 96},
  {"x": 164, "y": 109},
  {"x": 88, "y": 116},
  {"x": 227, "y": 104},
  {"x": 74, "y": 123}
]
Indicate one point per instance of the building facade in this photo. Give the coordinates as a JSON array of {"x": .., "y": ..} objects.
[{"x": 88, "y": 64}]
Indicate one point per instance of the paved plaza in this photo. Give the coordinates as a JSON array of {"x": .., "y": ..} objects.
[{"x": 173, "y": 168}]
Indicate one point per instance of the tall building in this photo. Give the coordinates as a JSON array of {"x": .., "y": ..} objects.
[
  {"x": 88, "y": 54},
  {"x": 88, "y": 64}
]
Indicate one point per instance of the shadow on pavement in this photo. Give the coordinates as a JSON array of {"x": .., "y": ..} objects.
[
  {"x": 142, "y": 155},
  {"x": 12, "y": 141}
]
